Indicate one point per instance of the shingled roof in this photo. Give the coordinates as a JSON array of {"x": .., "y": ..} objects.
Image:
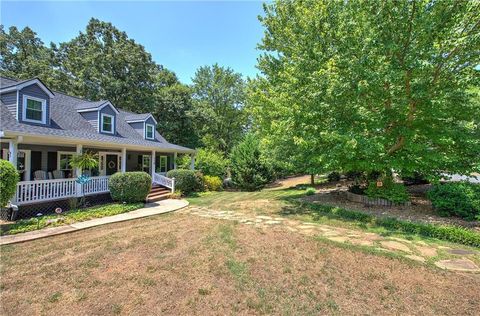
[{"x": 66, "y": 122}]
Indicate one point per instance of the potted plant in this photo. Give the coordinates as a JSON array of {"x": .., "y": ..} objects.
[{"x": 85, "y": 161}]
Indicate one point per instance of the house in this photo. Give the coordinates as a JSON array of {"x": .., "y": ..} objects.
[{"x": 41, "y": 130}]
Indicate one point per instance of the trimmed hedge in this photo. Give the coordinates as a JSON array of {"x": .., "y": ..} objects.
[
  {"x": 8, "y": 181},
  {"x": 186, "y": 180},
  {"x": 456, "y": 198},
  {"x": 444, "y": 232},
  {"x": 130, "y": 187}
]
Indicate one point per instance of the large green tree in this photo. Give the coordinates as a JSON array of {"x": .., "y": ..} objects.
[
  {"x": 24, "y": 56},
  {"x": 218, "y": 107},
  {"x": 371, "y": 85},
  {"x": 104, "y": 63}
]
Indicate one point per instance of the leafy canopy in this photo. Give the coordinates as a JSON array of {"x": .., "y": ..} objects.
[
  {"x": 368, "y": 85},
  {"x": 218, "y": 97}
]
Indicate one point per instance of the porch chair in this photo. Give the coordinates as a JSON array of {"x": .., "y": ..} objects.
[
  {"x": 40, "y": 175},
  {"x": 58, "y": 174}
]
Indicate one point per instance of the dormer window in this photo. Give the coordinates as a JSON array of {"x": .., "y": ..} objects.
[
  {"x": 107, "y": 124},
  {"x": 149, "y": 131},
  {"x": 34, "y": 110}
]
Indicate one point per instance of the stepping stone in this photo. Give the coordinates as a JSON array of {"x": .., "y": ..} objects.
[
  {"x": 338, "y": 239},
  {"x": 427, "y": 251},
  {"x": 291, "y": 229},
  {"x": 416, "y": 258},
  {"x": 395, "y": 245},
  {"x": 361, "y": 242},
  {"x": 461, "y": 252},
  {"x": 263, "y": 217},
  {"x": 458, "y": 265},
  {"x": 331, "y": 233},
  {"x": 279, "y": 219},
  {"x": 305, "y": 226},
  {"x": 421, "y": 242},
  {"x": 272, "y": 222}
]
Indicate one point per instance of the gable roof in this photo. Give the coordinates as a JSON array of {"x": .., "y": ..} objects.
[
  {"x": 18, "y": 85},
  {"x": 94, "y": 106},
  {"x": 133, "y": 117},
  {"x": 67, "y": 122}
]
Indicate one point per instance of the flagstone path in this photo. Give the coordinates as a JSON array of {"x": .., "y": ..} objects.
[{"x": 456, "y": 259}]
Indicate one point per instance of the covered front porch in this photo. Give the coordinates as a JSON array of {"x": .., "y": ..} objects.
[{"x": 46, "y": 174}]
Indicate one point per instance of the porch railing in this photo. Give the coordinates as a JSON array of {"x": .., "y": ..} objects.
[
  {"x": 96, "y": 185},
  {"x": 29, "y": 192},
  {"x": 162, "y": 180}
]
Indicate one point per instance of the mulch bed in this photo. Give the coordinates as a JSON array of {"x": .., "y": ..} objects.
[{"x": 420, "y": 211}]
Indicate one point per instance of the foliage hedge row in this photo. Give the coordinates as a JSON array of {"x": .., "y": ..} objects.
[
  {"x": 456, "y": 198},
  {"x": 449, "y": 233},
  {"x": 186, "y": 180},
  {"x": 8, "y": 181},
  {"x": 130, "y": 187}
]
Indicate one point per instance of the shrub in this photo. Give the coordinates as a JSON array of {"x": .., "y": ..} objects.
[
  {"x": 356, "y": 189},
  {"x": 414, "y": 178},
  {"x": 310, "y": 191},
  {"x": 249, "y": 171},
  {"x": 130, "y": 186},
  {"x": 354, "y": 175},
  {"x": 186, "y": 180},
  {"x": 213, "y": 183},
  {"x": 8, "y": 181},
  {"x": 391, "y": 191},
  {"x": 211, "y": 163},
  {"x": 333, "y": 176},
  {"x": 456, "y": 198}
]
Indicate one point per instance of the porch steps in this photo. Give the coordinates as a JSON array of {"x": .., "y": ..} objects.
[{"x": 158, "y": 193}]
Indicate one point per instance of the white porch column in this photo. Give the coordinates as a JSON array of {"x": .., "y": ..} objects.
[
  {"x": 124, "y": 160},
  {"x": 192, "y": 161},
  {"x": 175, "y": 160},
  {"x": 78, "y": 171},
  {"x": 153, "y": 162},
  {"x": 12, "y": 152}
]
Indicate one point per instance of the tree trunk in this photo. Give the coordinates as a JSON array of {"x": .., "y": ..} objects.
[{"x": 312, "y": 179}]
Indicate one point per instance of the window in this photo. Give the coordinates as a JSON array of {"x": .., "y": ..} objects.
[
  {"x": 149, "y": 131},
  {"x": 34, "y": 109},
  {"x": 107, "y": 124},
  {"x": 64, "y": 159}
]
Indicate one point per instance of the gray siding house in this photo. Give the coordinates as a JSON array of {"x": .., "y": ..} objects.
[{"x": 41, "y": 130}]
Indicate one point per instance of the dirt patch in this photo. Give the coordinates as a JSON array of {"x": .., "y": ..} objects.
[{"x": 183, "y": 265}]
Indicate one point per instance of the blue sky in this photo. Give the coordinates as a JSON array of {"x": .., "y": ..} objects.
[{"x": 180, "y": 35}]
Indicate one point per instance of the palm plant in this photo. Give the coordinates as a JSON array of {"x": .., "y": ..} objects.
[{"x": 86, "y": 161}]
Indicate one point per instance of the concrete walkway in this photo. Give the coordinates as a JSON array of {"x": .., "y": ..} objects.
[{"x": 150, "y": 209}]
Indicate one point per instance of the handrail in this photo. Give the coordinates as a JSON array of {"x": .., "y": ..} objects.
[{"x": 165, "y": 181}]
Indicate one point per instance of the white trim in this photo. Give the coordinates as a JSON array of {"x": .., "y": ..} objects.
[
  {"x": 102, "y": 115},
  {"x": 153, "y": 131},
  {"x": 99, "y": 108},
  {"x": 144, "y": 120},
  {"x": 67, "y": 140},
  {"x": 24, "y": 109},
  {"x": 103, "y": 154},
  {"x": 59, "y": 153},
  {"x": 29, "y": 83}
]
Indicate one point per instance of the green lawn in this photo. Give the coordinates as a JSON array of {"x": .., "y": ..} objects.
[{"x": 76, "y": 215}]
